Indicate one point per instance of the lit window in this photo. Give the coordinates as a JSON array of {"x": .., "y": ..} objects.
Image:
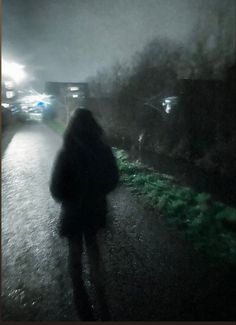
[
  {"x": 10, "y": 94},
  {"x": 73, "y": 88}
]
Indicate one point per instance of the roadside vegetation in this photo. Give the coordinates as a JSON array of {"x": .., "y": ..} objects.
[
  {"x": 58, "y": 127},
  {"x": 199, "y": 128},
  {"x": 207, "y": 224}
]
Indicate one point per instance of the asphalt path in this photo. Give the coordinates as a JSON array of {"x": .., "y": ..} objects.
[{"x": 149, "y": 272}]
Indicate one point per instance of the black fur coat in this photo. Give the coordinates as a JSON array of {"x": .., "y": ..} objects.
[{"x": 83, "y": 174}]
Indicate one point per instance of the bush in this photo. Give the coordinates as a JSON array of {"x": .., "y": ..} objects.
[{"x": 202, "y": 219}]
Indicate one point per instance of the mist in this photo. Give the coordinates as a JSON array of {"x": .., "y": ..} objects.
[
  {"x": 118, "y": 160},
  {"x": 71, "y": 40}
]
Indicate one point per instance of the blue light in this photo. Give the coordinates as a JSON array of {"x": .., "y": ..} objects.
[{"x": 40, "y": 104}]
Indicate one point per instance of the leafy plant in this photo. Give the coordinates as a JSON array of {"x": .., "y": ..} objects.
[{"x": 199, "y": 217}]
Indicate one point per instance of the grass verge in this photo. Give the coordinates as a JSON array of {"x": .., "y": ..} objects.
[
  {"x": 208, "y": 224},
  {"x": 56, "y": 126}
]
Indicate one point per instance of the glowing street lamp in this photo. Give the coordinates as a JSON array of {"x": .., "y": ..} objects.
[{"x": 13, "y": 70}]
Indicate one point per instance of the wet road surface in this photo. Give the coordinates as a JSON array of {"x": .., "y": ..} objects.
[{"x": 149, "y": 273}]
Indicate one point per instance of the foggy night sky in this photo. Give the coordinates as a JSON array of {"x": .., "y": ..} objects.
[{"x": 69, "y": 40}]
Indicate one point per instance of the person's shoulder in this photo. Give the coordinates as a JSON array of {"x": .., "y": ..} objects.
[
  {"x": 108, "y": 149},
  {"x": 103, "y": 148},
  {"x": 63, "y": 156}
]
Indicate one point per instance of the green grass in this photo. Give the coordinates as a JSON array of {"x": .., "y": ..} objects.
[
  {"x": 56, "y": 126},
  {"x": 195, "y": 214},
  {"x": 198, "y": 217}
]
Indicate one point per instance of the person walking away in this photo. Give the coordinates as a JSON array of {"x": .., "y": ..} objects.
[{"x": 84, "y": 172}]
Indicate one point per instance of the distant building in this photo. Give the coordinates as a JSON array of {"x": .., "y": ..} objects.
[
  {"x": 8, "y": 91},
  {"x": 73, "y": 93},
  {"x": 67, "y": 97}
]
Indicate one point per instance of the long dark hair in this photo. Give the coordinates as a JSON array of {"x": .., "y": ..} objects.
[{"x": 83, "y": 128}]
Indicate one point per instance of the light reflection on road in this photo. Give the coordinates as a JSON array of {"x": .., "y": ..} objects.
[{"x": 33, "y": 257}]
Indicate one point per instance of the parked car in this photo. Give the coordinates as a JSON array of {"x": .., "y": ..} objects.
[
  {"x": 35, "y": 114},
  {"x": 13, "y": 108},
  {"x": 31, "y": 113}
]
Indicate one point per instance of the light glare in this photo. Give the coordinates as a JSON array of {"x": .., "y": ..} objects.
[{"x": 13, "y": 70}]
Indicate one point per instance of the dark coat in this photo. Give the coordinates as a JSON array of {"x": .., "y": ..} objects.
[{"x": 82, "y": 176}]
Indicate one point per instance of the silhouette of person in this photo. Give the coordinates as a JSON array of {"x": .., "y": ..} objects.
[{"x": 84, "y": 172}]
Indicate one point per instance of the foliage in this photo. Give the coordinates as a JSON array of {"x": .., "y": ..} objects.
[
  {"x": 196, "y": 214},
  {"x": 210, "y": 52}
]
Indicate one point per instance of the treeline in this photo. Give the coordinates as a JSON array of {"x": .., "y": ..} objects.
[{"x": 127, "y": 97}]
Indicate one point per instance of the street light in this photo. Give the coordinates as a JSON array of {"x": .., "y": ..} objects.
[{"x": 13, "y": 70}]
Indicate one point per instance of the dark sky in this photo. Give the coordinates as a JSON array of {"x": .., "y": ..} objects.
[{"x": 69, "y": 40}]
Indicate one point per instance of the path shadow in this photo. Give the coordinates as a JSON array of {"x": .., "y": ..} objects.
[{"x": 82, "y": 301}]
